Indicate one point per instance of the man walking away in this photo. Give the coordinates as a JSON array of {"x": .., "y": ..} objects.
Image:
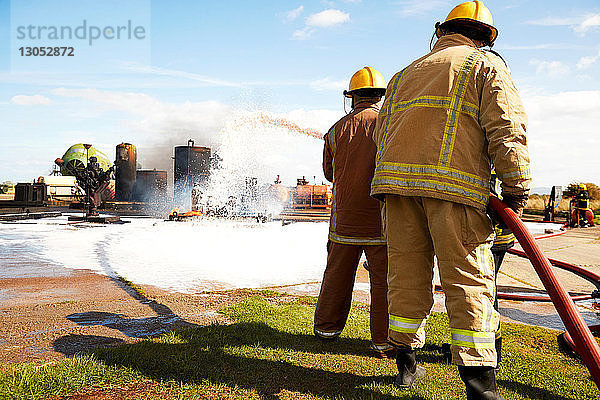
[{"x": 355, "y": 225}]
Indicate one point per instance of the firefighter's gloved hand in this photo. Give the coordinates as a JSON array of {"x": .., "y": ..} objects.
[{"x": 516, "y": 203}]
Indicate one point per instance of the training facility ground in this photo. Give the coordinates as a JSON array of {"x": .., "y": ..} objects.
[{"x": 80, "y": 335}]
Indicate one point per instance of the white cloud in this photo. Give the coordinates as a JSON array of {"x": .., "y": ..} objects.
[
  {"x": 540, "y": 46},
  {"x": 562, "y": 129},
  {"x": 327, "y": 18},
  {"x": 36, "y": 99},
  {"x": 321, "y": 120},
  {"x": 328, "y": 84},
  {"x": 550, "y": 68},
  {"x": 590, "y": 22},
  {"x": 324, "y": 19},
  {"x": 134, "y": 67},
  {"x": 587, "y": 61},
  {"x": 420, "y": 7},
  {"x": 302, "y": 34},
  {"x": 293, "y": 14},
  {"x": 148, "y": 115},
  {"x": 555, "y": 21},
  {"x": 580, "y": 24}
]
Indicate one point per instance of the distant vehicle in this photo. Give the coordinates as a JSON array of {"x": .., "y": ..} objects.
[{"x": 76, "y": 158}]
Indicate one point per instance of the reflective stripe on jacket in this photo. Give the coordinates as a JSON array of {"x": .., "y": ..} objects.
[
  {"x": 446, "y": 118},
  {"x": 348, "y": 162}
]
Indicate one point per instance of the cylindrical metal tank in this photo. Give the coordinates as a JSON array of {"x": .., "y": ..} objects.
[
  {"x": 125, "y": 163},
  {"x": 192, "y": 166},
  {"x": 150, "y": 185}
]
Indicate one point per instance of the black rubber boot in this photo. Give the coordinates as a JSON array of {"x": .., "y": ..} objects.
[
  {"x": 408, "y": 370},
  {"x": 480, "y": 383},
  {"x": 446, "y": 352}
]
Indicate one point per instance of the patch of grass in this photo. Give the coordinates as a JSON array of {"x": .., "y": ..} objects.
[
  {"x": 270, "y": 353},
  {"x": 66, "y": 302},
  {"x": 247, "y": 292},
  {"x": 139, "y": 290},
  {"x": 33, "y": 381}
]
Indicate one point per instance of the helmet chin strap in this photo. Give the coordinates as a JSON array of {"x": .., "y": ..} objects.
[{"x": 437, "y": 25}]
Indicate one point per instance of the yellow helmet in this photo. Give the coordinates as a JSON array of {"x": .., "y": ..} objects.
[
  {"x": 582, "y": 186},
  {"x": 366, "y": 78},
  {"x": 474, "y": 13}
]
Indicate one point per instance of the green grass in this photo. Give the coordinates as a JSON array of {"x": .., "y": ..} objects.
[
  {"x": 138, "y": 289},
  {"x": 270, "y": 353},
  {"x": 32, "y": 381}
]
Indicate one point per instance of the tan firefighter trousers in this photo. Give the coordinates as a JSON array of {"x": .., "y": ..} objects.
[
  {"x": 461, "y": 237},
  {"x": 336, "y": 290}
]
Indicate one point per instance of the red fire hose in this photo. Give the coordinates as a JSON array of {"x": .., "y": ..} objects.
[{"x": 584, "y": 341}]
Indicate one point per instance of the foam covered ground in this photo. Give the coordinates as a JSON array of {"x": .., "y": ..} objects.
[{"x": 182, "y": 256}]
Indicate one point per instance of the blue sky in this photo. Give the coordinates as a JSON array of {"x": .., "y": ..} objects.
[{"x": 202, "y": 62}]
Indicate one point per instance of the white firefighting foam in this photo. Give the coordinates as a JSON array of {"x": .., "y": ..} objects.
[{"x": 182, "y": 256}]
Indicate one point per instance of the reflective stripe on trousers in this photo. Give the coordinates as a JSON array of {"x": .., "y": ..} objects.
[
  {"x": 473, "y": 339},
  {"x": 406, "y": 325}
]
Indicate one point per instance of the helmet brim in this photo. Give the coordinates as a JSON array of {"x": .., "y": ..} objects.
[
  {"x": 373, "y": 91},
  {"x": 493, "y": 32}
]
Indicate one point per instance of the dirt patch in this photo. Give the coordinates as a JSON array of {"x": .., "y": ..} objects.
[{"x": 57, "y": 317}]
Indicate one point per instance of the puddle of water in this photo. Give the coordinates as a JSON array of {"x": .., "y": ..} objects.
[{"x": 132, "y": 327}]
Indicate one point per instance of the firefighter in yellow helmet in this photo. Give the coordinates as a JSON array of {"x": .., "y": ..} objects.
[
  {"x": 355, "y": 225},
  {"x": 446, "y": 119}
]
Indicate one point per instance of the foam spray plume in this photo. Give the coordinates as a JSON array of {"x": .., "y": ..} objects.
[{"x": 252, "y": 151}]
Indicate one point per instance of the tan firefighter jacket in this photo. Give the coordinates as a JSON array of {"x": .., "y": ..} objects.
[
  {"x": 446, "y": 119},
  {"x": 348, "y": 162}
]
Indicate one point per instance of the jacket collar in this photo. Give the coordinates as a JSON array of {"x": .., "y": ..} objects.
[
  {"x": 452, "y": 40},
  {"x": 367, "y": 103}
]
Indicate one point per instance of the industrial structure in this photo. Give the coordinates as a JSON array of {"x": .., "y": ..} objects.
[
  {"x": 191, "y": 167},
  {"x": 125, "y": 175},
  {"x": 150, "y": 185}
]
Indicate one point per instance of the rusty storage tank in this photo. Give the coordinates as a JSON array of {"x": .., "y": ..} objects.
[
  {"x": 125, "y": 164},
  {"x": 150, "y": 185},
  {"x": 192, "y": 166}
]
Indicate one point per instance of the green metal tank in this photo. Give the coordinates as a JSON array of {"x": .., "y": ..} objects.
[{"x": 76, "y": 157}]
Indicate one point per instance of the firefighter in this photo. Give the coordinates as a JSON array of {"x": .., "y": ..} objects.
[
  {"x": 582, "y": 200},
  {"x": 355, "y": 224},
  {"x": 446, "y": 118}
]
